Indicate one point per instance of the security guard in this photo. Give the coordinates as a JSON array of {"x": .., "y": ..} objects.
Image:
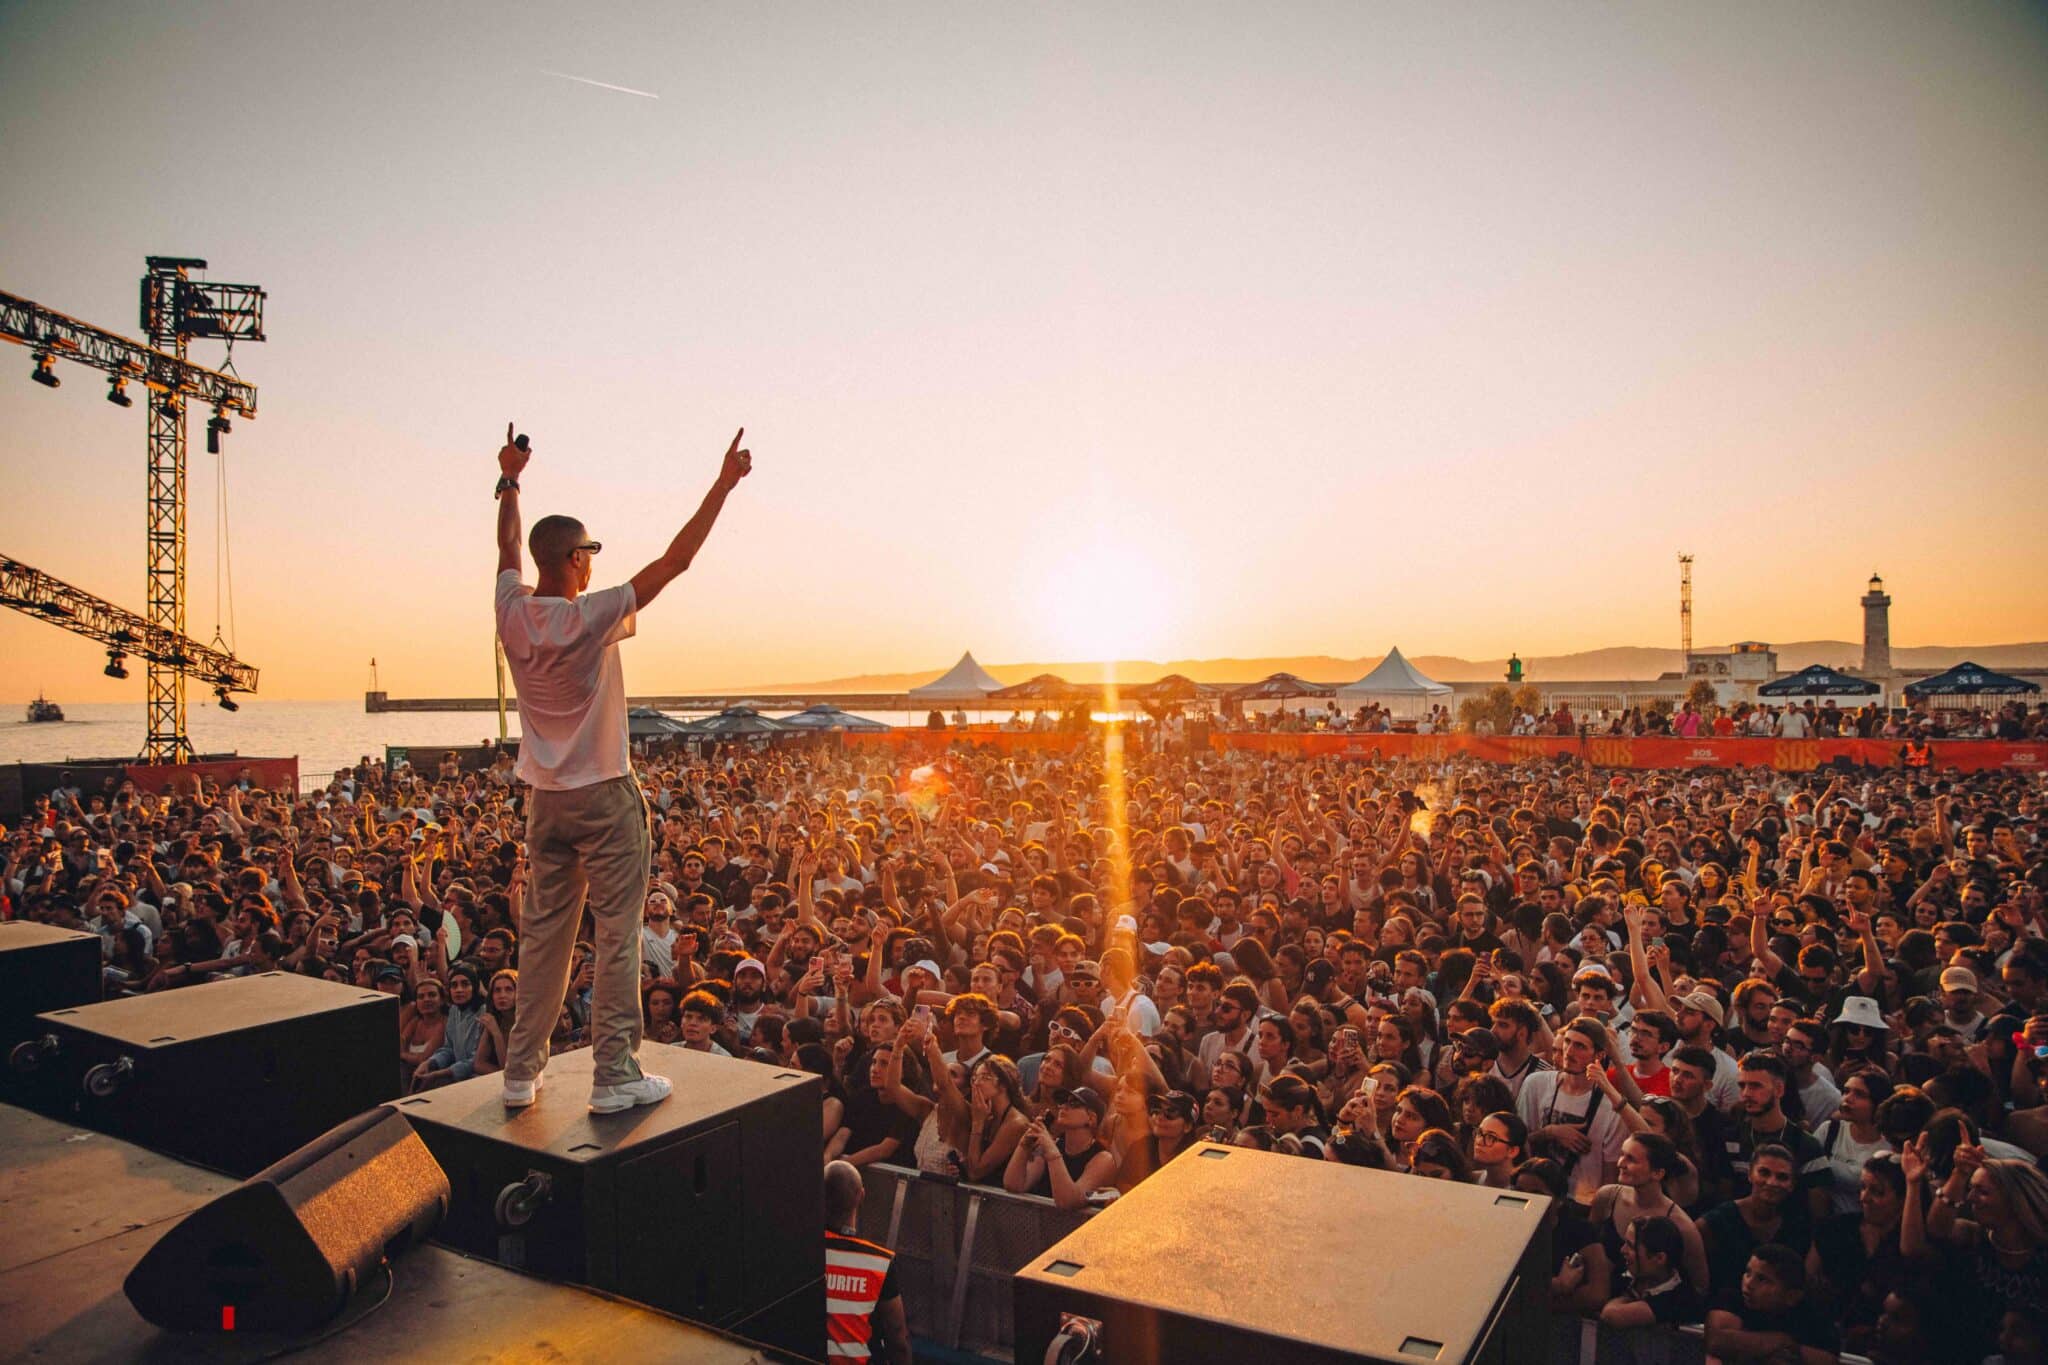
[{"x": 862, "y": 1301}]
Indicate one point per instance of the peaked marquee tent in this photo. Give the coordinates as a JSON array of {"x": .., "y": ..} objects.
[
  {"x": 1398, "y": 685},
  {"x": 966, "y": 681}
]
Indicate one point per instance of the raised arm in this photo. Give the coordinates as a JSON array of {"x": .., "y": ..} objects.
[
  {"x": 511, "y": 460},
  {"x": 1645, "y": 990},
  {"x": 683, "y": 549},
  {"x": 288, "y": 879},
  {"x": 1760, "y": 938}
]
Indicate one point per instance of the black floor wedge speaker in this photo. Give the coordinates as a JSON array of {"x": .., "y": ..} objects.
[
  {"x": 42, "y": 968},
  {"x": 233, "y": 1074},
  {"x": 709, "y": 1205},
  {"x": 284, "y": 1251}
]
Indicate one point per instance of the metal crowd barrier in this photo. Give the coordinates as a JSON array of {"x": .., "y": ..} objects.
[{"x": 956, "y": 1248}]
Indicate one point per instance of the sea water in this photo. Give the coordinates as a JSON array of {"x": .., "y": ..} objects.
[{"x": 324, "y": 735}]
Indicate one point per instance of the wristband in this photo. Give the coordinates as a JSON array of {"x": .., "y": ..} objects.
[{"x": 506, "y": 484}]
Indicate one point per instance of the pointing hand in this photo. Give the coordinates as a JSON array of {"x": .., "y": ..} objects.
[
  {"x": 738, "y": 463},
  {"x": 512, "y": 458}
]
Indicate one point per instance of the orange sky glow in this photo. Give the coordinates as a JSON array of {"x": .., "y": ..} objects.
[{"x": 1059, "y": 333}]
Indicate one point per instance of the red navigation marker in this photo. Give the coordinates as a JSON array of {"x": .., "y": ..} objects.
[{"x": 227, "y": 1317}]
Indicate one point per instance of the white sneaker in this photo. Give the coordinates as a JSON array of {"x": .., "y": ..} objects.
[
  {"x": 517, "y": 1094},
  {"x": 611, "y": 1099}
]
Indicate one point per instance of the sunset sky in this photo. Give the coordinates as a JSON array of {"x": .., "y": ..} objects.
[{"x": 1058, "y": 331}]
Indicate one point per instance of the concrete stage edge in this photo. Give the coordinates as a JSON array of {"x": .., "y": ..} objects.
[{"x": 79, "y": 1209}]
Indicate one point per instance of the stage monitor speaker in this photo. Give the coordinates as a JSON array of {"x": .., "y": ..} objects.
[
  {"x": 1227, "y": 1255},
  {"x": 284, "y": 1251},
  {"x": 231, "y": 1074},
  {"x": 42, "y": 968},
  {"x": 708, "y": 1205}
]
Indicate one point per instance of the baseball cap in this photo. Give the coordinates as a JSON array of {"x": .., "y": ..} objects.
[
  {"x": 1958, "y": 979},
  {"x": 747, "y": 963},
  {"x": 1088, "y": 1099},
  {"x": 1706, "y": 1004},
  {"x": 407, "y": 939},
  {"x": 1178, "y": 1102},
  {"x": 927, "y": 965},
  {"x": 1480, "y": 1042}
]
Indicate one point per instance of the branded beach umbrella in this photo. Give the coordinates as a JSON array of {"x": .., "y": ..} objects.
[{"x": 1819, "y": 681}]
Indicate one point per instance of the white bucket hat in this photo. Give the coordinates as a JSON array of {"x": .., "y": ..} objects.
[{"x": 1861, "y": 1011}]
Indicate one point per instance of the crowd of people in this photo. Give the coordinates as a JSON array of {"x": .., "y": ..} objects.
[
  {"x": 1775, "y": 1043},
  {"x": 1687, "y": 718}
]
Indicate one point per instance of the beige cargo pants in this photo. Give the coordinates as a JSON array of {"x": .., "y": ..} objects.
[{"x": 591, "y": 840}]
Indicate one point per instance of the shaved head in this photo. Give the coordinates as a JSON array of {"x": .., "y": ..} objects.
[
  {"x": 844, "y": 1190},
  {"x": 554, "y": 538}
]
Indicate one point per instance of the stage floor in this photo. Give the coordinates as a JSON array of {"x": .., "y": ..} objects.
[{"x": 78, "y": 1209}]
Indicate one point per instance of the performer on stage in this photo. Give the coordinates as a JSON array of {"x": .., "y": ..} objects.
[{"x": 586, "y": 820}]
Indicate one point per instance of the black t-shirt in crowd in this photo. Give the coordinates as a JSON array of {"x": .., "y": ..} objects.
[
  {"x": 1730, "y": 1240},
  {"x": 1076, "y": 1163},
  {"x": 870, "y": 1118},
  {"x": 1570, "y": 1234},
  {"x": 1810, "y": 1170},
  {"x": 1804, "y": 1322},
  {"x": 1677, "y": 1303},
  {"x": 1857, "y": 1279}
]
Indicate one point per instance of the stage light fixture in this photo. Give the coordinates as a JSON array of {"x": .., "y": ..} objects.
[
  {"x": 115, "y": 667},
  {"x": 46, "y": 370},
  {"x": 117, "y": 393},
  {"x": 171, "y": 408},
  {"x": 227, "y": 703}
]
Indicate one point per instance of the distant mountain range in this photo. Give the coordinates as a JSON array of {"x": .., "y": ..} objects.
[{"x": 1594, "y": 665}]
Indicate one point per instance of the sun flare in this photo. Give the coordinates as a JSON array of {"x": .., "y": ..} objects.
[{"x": 1104, "y": 599}]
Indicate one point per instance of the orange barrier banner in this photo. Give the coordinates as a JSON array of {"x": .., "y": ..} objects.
[
  {"x": 907, "y": 741},
  {"x": 272, "y": 774},
  {"x": 1641, "y": 751}
]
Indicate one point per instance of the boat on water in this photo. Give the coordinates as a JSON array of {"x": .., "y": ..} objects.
[{"x": 43, "y": 709}]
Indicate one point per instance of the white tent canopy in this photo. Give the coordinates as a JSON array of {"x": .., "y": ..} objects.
[
  {"x": 1397, "y": 685},
  {"x": 966, "y": 681}
]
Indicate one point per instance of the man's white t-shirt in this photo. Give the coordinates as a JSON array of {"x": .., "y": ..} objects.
[
  {"x": 1540, "y": 1104},
  {"x": 1140, "y": 1012},
  {"x": 659, "y": 949},
  {"x": 564, "y": 658}
]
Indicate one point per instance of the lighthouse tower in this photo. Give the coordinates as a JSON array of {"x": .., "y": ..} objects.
[{"x": 1877, "y": 630}]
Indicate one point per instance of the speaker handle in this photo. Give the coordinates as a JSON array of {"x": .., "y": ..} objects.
[
  {"x": 519, "y": 1201},
  {"x": 1079, "y": 1340},
  {"x": 103, "y": 1080},
  {"x": 26, "y": 1057}
]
